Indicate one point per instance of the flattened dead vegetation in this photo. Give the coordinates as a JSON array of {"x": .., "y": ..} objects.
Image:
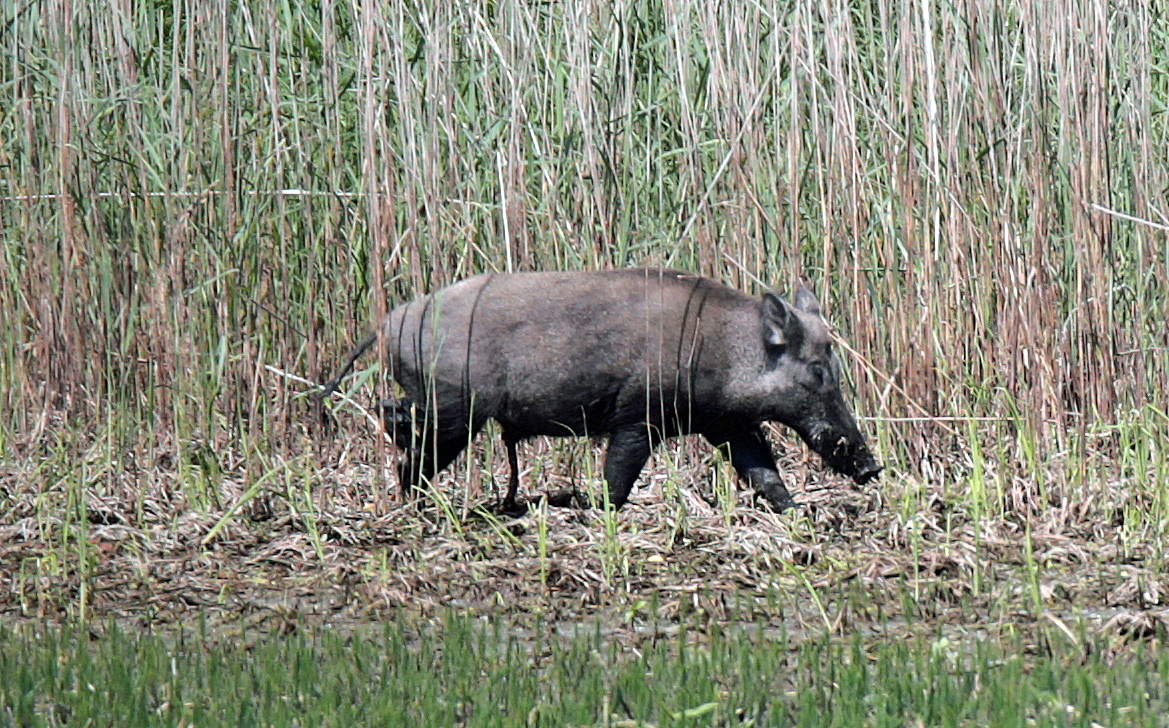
[{"x": 347, "y": 552}]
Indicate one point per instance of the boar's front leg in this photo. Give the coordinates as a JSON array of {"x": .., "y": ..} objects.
[
  {"x": 749, "y": 453},
  {"x": 629, "y": 448}
]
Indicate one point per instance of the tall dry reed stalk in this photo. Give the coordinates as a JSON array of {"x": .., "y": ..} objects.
[{"x": 195, "y": 190}]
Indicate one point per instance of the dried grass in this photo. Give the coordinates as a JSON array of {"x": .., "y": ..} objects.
[
  {"x": 848, "y": 562},
  {"x": 199, "y": 196}
]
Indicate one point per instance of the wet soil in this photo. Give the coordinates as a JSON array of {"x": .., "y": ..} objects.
[{"x": 331, "y": 545}]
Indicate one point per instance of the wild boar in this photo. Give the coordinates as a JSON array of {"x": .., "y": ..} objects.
[{"x": 636, "y": 356}]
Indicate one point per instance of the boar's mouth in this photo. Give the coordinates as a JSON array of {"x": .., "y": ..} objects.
[
  {"x": 867, "y": 473},
  {"x": 847, "y": 456}
]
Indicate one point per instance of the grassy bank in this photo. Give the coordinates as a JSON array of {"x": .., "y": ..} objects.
[{"x": 470, "y": 673}]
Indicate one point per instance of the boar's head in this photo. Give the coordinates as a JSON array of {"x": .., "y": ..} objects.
[{"x": 802, "y": 376}]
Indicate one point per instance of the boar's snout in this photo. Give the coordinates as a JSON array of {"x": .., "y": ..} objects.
[
  {"x": 867, "y": 472},
  {"x": 856, "y": 462},
  {"x": 847, "y": 455}
]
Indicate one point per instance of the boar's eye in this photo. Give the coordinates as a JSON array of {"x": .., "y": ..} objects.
[
  {"x": 817, "y": 374},
  {"x": 774, "y": 354}
]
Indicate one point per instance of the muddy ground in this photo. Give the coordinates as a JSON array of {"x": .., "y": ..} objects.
[{"x": 326, "y": 541}]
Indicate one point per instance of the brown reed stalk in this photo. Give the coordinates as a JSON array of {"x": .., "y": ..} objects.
[{"x": 194, "y": 191}]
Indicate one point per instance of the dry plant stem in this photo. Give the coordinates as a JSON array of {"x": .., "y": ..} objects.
[{"x": 195, "y": 192}]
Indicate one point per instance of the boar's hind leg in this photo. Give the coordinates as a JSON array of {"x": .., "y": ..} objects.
[
  {"x": 628, "y": 451},
  {"x": 398, "y": 421},
  {"x": 513, "y": 481},
  {"x": 751, "y": 457},
  {"x": 434, "y": 447}
]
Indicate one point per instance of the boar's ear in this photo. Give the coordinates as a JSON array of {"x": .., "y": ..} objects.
[
  {"x": 806, "y": 301},
  {"x": 781, "y": 327}
]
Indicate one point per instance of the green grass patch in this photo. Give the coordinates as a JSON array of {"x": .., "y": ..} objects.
[{"x": 473, "y": 672}]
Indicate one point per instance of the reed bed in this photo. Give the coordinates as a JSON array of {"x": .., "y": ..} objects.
[
  {"x": 195, "y": 190},
  {"x": 204, "y": 203}
]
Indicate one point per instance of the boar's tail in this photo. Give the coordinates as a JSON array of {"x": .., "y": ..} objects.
[{"x": 353, "y": 357}]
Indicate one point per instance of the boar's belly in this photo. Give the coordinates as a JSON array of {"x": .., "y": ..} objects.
[{"x": 572, "y": 407}]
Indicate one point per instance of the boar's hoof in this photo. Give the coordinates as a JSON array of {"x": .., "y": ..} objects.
[
  {"x": 511, "y": 508},
  {"x": 569, "y": 498},
  {"x": 784, "y": 506},
  {"x": 778, "y": 502}
]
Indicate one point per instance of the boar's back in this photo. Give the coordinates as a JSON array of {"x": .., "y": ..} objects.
[{"x": 573, "y": 353}]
